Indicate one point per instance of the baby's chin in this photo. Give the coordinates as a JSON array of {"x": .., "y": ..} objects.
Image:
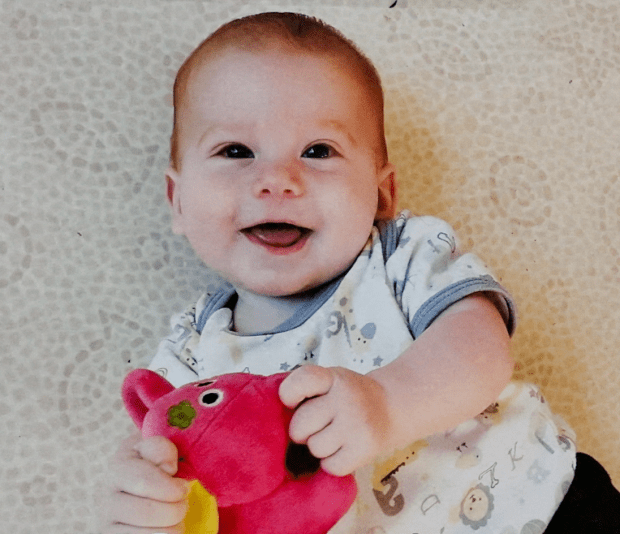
[
  {"x": 279, "y": 290},
  {"x": 286, "y": 283},
  {"x": 282, "y": 288}
]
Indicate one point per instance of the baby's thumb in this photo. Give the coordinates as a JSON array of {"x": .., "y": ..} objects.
[{"x": 161, "y": 452}]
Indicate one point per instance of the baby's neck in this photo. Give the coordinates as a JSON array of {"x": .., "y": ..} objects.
[{"x": 260, "y": 313}]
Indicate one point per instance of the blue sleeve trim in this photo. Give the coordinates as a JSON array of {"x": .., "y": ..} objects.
[{"x": 438, "y": 303}]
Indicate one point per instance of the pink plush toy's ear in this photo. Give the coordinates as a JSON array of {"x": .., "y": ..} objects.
[{"x": 140, "y": 390}]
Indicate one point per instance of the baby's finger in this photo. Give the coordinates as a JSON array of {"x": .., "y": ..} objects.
[
  {"x": 157, "y": 516},
  {"x": 310, "y": 418},
  {"x": 341, "y": 463},
  {"x": 130, "y": 442},
  {"x": 143, "y": 479},
  {"x": 325, "y": 443},
  {"x": 304, "y": 383},
  {"x": 126, "y": 449},
  {"x": 160, "y": 451}
]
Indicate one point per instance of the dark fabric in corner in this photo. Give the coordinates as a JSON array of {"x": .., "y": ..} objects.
[{"x": 592, "y": 504}]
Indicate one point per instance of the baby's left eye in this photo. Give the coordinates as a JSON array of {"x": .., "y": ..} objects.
[
  {"x": 318, "y": 151},
  {"x": 236, "y": 151}
]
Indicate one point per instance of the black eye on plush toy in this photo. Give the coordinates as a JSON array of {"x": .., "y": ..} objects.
[{"x": 211, "y": 398}]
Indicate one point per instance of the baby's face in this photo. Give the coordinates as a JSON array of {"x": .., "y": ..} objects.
[{"x": 278, "y": 182}]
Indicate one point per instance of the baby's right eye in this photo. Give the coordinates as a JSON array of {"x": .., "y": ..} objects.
[{"x": 236, "y": 151}]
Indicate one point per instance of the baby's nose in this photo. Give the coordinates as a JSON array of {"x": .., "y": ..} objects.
[{"x": 279, "y": 181}]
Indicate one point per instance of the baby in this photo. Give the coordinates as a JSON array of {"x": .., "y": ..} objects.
[{"x": 397, "y": 342}]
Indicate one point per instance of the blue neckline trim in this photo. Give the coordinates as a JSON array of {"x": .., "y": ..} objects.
[{"x": 226, "y": 293}]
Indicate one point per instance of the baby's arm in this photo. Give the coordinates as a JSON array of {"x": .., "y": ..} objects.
[
  {"x": 142, "y": 495},
  {"x": 450, "y": 374}
]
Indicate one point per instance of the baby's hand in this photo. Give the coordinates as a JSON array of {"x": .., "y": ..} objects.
[
  {"x": 142, "y": 495},
  {"x": 342, "y": 418}
]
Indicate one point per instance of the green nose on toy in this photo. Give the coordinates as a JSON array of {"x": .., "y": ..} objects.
[{"x": 181, "y": 415}]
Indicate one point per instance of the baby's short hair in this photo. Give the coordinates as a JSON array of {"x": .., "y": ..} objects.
[{"x": 303, "y": 32}]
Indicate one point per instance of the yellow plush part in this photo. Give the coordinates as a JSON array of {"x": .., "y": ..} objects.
[{"x": 202, "y": 515}]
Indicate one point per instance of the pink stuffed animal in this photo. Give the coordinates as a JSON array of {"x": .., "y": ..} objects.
[{"x": 231, "y": 432}]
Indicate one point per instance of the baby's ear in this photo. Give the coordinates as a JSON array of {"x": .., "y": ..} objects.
[
  {"x": 174, "y": 200},
  {"x": 388, "y": 195},
  {"x": 140, "y": 390}
]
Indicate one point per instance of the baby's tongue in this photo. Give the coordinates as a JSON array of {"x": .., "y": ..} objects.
[{"x": 277, "y": 234}]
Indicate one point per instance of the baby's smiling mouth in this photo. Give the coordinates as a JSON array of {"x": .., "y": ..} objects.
[{"x": 276, "y": 234}]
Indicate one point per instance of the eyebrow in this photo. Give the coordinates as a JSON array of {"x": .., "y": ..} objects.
[
  {"x": 209, "y": 131},
  {"x": 338, "y": 125},
  {"x": 330, "y": 123}
]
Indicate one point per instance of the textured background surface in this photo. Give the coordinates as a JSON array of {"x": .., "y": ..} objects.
[{"x": 503, "y": 117}]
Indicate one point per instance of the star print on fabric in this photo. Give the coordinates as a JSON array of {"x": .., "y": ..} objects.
[
  {"x": 377, "y": 361},
  {"x": 284, "y": 366}
]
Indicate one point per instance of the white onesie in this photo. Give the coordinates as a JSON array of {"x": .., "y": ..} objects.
[{"x": 504, "y": 471}]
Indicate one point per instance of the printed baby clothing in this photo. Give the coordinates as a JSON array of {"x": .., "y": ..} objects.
[
  {"x": 508, "y": 467},
  {"x": 408, "y": 273}
]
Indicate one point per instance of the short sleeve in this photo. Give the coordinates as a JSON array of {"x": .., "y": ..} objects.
[{"x": 428, "y": 272}]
